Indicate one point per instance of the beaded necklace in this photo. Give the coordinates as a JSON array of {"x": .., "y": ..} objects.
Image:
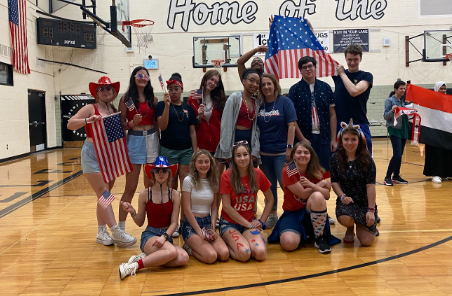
[
  {"x": 271, "y": 112},
  {"x": 248, "y": 115}
]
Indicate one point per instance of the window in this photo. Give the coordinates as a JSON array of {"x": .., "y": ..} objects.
[
  {"x": 6, "y": 74},
  {"x": 435, "y": 7}
]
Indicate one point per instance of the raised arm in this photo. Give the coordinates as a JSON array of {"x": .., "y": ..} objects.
[
  {"x": 246, "y": 56},
  {"x": 353, "y": 90}
]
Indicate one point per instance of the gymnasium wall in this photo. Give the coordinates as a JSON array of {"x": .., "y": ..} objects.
[{"x": 172, "y": 46}]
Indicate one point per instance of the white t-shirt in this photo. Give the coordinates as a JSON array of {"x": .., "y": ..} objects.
[{"x": 202, "y": 199}]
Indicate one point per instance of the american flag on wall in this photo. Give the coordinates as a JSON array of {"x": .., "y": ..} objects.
[
  {"x": 111, "y": 149},
  {"x": 289, "y": 40},
  {"x": 17, "y": 12}
]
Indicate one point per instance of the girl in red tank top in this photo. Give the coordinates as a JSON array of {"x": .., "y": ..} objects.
[
  {"x": 161, "y": 204},
  {"x": 104, "y": 92},
  {"x": 137, "y": 113}
]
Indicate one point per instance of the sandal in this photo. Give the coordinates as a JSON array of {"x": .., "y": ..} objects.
[{"x": 349, "y": 238}]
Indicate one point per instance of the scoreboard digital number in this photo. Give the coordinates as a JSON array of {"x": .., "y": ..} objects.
[{"x": 66, "y": 33}]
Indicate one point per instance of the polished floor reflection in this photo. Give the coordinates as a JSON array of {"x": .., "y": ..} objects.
[{"x": 48, "y": 247}]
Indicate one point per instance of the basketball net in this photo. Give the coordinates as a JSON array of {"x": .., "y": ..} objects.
[
  {"x": 142, "y": 29},
  {"x": 217, "y": 64}
]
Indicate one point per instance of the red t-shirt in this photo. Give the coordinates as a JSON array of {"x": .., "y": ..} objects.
[
  {"x": 291, "y": 175},
  {"x": 244, "y": 202}
]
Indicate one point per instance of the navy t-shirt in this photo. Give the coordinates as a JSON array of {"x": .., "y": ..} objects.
[
  {"x": 352, "y": 107},
  {"x": 272, "y": 121},
  {"x": 176, "y": 136}
]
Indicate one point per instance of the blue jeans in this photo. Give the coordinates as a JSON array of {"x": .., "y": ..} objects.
[
  {"x": 272, "y": 167},
  {"x": 323, "y": 151},
  {"x": 366, "y": 131},
  {"x": 398, "y": 144}
]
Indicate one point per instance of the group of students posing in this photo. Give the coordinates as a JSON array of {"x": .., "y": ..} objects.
[{"x": 256, "y": 126}]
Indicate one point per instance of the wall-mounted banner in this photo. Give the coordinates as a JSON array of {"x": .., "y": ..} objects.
[
  {"x": 235, "y": 13},
  {"x": 324, "y": 39},
  {"x": 343, "y": 38}
]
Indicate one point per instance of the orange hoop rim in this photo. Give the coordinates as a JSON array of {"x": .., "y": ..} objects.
[
  {"x": 217, "y": 63},
  {"x": 136, "y": 23},
  {"x": 449, "y": 56}
]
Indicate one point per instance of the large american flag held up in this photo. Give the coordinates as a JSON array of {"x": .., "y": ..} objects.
[
  {"x": 106, "y": 199},
  {"x": 289, "y": 40},
  {"x": 111, "y": 149},
  {"x": 17, "y": 13}
]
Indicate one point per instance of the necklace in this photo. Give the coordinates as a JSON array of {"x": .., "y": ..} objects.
[
  {"x": 248, "y": 115},
  {"x": 106, "y": 107},
  {"x": 147, "y": 110},
  {"x": 350, "y": 164},
  {"x": 208, "y": 109},
  {"x": 177, "y": 114},
  {"x": 270, "y": 113}
]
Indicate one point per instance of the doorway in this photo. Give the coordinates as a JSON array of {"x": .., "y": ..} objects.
[{"x": 37, "y": 120}]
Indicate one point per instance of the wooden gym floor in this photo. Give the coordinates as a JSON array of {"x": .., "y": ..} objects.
[{"x": 48, "y": 247}]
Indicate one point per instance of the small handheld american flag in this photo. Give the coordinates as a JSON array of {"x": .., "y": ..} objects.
[
  {"x": 130, "y": 105},
  {"x": 161, "y": 83},
  {"x": 106, "y": 199}
]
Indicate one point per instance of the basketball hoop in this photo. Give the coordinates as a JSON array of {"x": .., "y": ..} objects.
[
  {"x": 142, "y": 29},
  {"x": 217, "y": 63}
]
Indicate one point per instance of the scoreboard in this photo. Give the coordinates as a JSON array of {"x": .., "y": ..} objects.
[{"x": 66, "y": 33}]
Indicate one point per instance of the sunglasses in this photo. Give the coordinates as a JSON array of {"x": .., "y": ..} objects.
[
  {"x": 160, "y": 170},
  {"x": 142, "y": 76},
  {"x": 102, "y": 88},
  {"x": 244, "y": 142}
]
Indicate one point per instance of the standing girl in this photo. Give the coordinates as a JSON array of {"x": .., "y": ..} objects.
[
  {"x": 161, "y": 205},
  {"x": 239, "y": 122},
  {"x": 239, "y": 186},
  {"x": 398, "y": 134},
  {"x": 137, "y": 113},
  {"x": 200, "y": 206},
  {"x": 104, "y": 92}
]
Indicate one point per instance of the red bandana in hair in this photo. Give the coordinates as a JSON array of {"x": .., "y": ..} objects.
[{"x": 174, "y": 81}]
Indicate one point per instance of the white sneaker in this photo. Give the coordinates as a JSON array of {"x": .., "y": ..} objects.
[
  {"x": 271, "y": 221},
  {"x": 331, "y": 220},
  {"x": 176, "y": 232},
  {"x": 126, "y": 269},
  {"x": 436, "y": 179},
  {"x": 104, "y": 238},
  {"x": 121, "y": 238},
  {"x": 136, "y": 258}
]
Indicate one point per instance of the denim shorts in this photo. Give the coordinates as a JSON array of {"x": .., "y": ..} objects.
[
  {"x": 143, "y": 146},
  {"x": 150, "y": 232},
  {"x": 225, "y": 225},
  {"x": 89, "y": 159},
  {"x": 177, "y": 156},
  {"x": 188, "y": 231}
]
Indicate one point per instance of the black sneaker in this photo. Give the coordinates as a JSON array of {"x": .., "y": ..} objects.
[
  {"x": 322, "y": 245},
  {"x": 388, "y": 182},
  {"x": 399, "y": 180}
]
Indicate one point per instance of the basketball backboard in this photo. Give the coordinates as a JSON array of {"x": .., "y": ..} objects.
[
  {"x": 206, "y": 49},
  {"x": 437, "y": 43},
  {"x": 118, "y": 14}
]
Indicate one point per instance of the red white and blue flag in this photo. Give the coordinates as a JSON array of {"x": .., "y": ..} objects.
[
  {"x": 291, "y": 169},
  {"x": 111, "y": 149},
  {"x": 130, "y": 105},
  {"x": 289, "y": 40},
  {"x": 162, "y": 85},
  {"x": 106, "y": 199},
  {"x": 17, "y": 13},
  {"x": 435, "y": 108}
]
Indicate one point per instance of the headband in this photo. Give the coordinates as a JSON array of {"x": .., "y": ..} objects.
[{"x": 174, "y": 81}]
